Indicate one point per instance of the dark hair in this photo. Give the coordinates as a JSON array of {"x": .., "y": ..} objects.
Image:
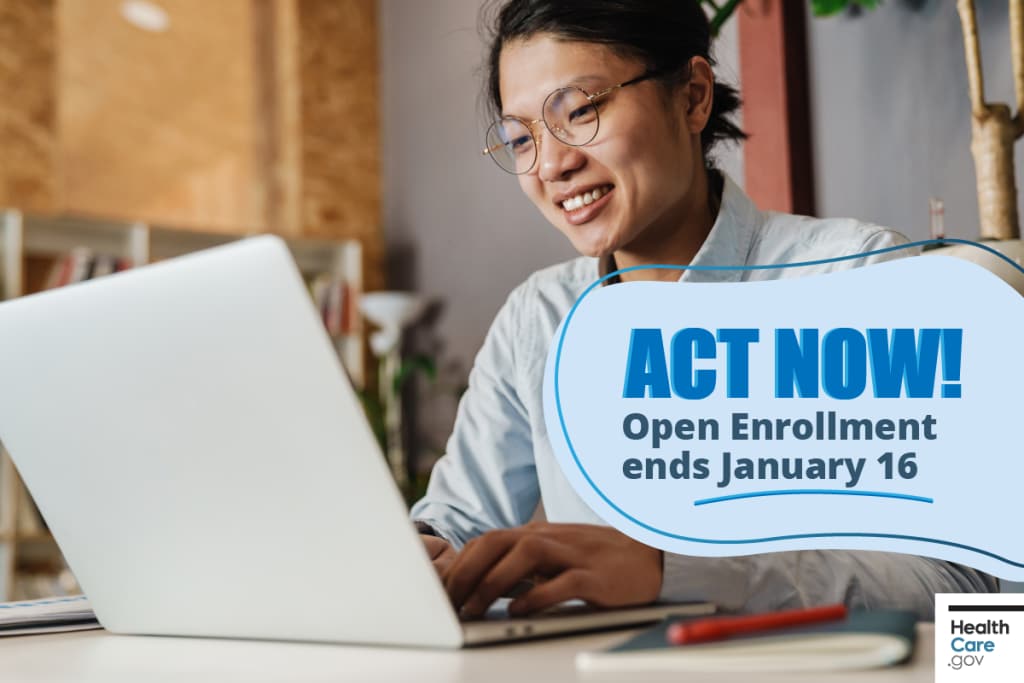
[{"x": 662, "y": 34}]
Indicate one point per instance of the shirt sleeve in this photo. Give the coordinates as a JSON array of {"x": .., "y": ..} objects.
[
  {"x": 789, "y": 580},
  {"x": 858, "y": 578},
  {"x": 487, "y": 479},
  {"x": 889, "y": 242}
]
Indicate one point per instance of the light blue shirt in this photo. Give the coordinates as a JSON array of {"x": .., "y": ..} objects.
[{"x": 499, "y": 464}]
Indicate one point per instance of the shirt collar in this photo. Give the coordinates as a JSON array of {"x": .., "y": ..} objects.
[
  {"x": 728, "y": 243},
  {"x": 730, "y": 239}
]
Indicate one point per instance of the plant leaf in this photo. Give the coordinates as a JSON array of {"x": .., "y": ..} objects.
[
  {"x": 827, "y": 8},
  {"x": 410, "y": 366}
]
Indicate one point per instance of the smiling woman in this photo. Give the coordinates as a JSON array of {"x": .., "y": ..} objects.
[
  {"x": 649, "y": 177},
  {"x": 605, "y": 111}
]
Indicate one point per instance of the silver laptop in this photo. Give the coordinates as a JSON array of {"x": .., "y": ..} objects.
[{"x": 194, "y": 445}]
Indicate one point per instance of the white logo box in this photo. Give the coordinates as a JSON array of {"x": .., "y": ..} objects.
[{"x": 979, "y": 637}]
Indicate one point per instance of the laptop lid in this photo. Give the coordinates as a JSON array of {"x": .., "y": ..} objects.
[{"x": 194, "y": 445}]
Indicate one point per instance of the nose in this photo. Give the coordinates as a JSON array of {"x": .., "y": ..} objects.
[{"x": 555, "y": 159}]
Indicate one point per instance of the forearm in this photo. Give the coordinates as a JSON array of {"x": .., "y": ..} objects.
[
  {"x": 859, "y": 579},
  {"x": 487, "y": 478},
  {"x": 444, "y": 521}
]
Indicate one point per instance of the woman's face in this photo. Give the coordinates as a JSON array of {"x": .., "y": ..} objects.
[{"x": 643, "y": 161}]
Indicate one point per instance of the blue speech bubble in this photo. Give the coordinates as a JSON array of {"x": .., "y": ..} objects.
[{"x": 865, "y": 409}]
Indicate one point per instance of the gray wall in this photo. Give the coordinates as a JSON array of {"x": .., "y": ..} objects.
[
  {"x": 470, "y": 233},
  {"x": 458, "y": 229},
  {"x": 891, "y": 116}
]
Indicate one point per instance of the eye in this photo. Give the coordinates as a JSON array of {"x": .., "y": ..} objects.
[
  {"x": 584, "y": 114},
  {"x": 521, "y": 144}
]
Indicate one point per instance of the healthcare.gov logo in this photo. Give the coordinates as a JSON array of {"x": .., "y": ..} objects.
[{"x": 979, "y": 637}]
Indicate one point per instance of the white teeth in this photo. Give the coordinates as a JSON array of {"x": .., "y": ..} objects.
[{"x": 584, "y": 199}]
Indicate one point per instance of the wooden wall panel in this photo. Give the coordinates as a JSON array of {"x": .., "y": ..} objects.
[
  {"x": 160, "y": 126},
  {"x": 278, "y": 151},
  {"x": 243, "y": 116},
  {"x": 27, "y": 104},
  {"x": 340, "y": 146},
  {"x": 777, "y": 159}
]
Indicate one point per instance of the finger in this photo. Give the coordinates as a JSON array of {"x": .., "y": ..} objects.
[
  {"x": 442, "y": 563},
  {"x": 531, "y": 554},
  {"x": 475, "y": 560},
  {"x": 574, "y": 583},
  {"x": 434, "y": 545}
]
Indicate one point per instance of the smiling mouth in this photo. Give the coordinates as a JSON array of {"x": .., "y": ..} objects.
[{"x": 585, "y": 199}]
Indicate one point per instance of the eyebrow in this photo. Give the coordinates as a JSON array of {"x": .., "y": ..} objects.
[
  {"x": 589, "y": 78},
  {"x": 576, "y": 82}
]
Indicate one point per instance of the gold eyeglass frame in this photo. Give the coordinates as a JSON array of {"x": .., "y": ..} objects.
[{"x": 489, "y": 151}]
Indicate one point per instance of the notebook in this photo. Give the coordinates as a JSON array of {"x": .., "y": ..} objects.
[
  {"x": 50, "y": 615},
  {"x": 864, "y": 640}
]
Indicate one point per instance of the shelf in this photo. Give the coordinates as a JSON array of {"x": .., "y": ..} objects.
[
  {"x": 10, "y": 254},
  {"x": 53, "y": 236},
  {"x": 41, "y": 537},
  {"x": 57, "y": 235},
  {"x": 142, "y": 243}
]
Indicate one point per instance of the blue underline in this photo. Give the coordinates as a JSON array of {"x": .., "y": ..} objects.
[{"x": 801, "y": 492}]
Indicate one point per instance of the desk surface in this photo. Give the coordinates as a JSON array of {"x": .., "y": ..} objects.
[{"x": 99, "y": 656}]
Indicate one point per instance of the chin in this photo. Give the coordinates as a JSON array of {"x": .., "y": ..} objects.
[
  {"x": 593, "y": 243},
  {"x": 589, "y": 248}
]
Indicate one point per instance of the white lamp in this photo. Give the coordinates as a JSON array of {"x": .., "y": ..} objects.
[{"x": 391, "y": 312}]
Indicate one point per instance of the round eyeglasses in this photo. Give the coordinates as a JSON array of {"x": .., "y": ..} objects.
[{"x": 569, "y": 113}]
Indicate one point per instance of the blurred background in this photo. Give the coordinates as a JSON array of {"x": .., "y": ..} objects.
[{"x": 134, "y": 130}]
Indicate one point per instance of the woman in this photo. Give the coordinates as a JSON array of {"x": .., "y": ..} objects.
[{"x": 608, "y": 110}]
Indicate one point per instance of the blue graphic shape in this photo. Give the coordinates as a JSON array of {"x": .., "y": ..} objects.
[
  {"x": 812, "y": 492},
  {"x": 867, "y": 301}
]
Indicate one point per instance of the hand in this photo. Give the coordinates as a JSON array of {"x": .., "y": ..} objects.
[
  {"x": 597, "y": 564},
  {"x": 440, "y": 552}
]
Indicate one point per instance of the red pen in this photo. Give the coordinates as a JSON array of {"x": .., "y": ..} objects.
[{"x": 704, "y": 630}]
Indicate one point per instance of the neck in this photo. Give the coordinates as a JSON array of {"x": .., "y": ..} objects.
[{"x": 676, "y": 238}]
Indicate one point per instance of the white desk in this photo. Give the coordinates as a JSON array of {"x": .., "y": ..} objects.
[{"x": 99, "y": 656}]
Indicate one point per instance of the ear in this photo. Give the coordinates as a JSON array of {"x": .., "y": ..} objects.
[{"x": 699, "y": 94}]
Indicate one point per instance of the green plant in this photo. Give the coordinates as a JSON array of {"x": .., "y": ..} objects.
[
  {"x": 826, "y": 8},
  {"x": 721, "y": 14},
  {"x": 373, "y": 403},
  {"x": 721, "y": 11}
]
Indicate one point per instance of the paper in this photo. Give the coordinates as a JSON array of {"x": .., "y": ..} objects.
[{"x": 50, "y": 615}]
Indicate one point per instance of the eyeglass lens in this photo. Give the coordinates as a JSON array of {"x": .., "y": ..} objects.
[{"x": 568, "y": 114}]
